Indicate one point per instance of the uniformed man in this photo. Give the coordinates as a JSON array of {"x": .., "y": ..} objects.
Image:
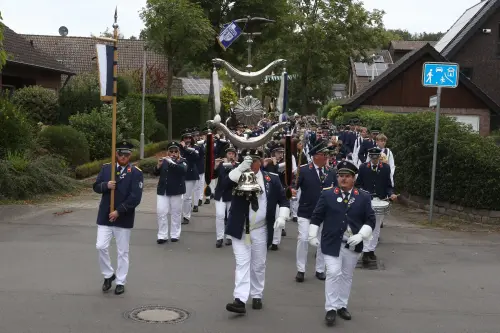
[
  {"x": 251, "y": 224},
  {"x": 200, "y": 146},
  {"x": 223, "y": 193},
  {"x": 171, "y": 187},
  {"x": 312, "y": 179},
  {"x": 381, "y": 142},
  {"x": 118, "y": 223},
  {"x": 348, "y": 220},
  {"x": 375, "y": 178},
  {"x": 191, "y": 155},
  {"x": 367, "y": 143}
]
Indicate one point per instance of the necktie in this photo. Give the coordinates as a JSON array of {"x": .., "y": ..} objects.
[
  {"x": 321, "y": 174},
  {"x": 346, "y": 197}
]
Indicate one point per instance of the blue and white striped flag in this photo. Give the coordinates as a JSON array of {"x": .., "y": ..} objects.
[{"x": 105, "y": 58}]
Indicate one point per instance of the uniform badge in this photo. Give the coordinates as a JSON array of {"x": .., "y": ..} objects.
[
  {"x": 140, "y": 185},
  {"x": 129, "y": 169},
  {"x": 310, "y": 166},
  {"x": 355, "y": 192},
  {"x": 351, "y": 201},
  {"x": 339, "y": 199},
  {"x": 337, "y": 191},
  {"x": 268, "y": 178}
]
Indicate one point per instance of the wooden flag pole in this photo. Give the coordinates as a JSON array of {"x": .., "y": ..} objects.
[{"x": 115, "y": 91}]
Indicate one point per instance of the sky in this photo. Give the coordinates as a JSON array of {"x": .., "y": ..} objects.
[{"x": 86, "y": 17}]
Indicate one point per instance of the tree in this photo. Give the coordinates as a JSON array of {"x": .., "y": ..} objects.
[
  {"x": 3, "y": 54},
  {"x": 178, "y": 29},
  {"x": 317, "y": 39},
  {"x": 406, "y": 35},
  {"x": 110, "y": 34}
]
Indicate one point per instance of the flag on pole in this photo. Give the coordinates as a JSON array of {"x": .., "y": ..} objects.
[
  {"x": 228, "y": 35},
  {"x": 105, "y": 59}
]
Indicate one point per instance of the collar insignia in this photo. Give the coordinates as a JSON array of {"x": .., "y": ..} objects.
[
  {"x": 356, "y": 192},
  {"x": 267, "y": 178},
  {"x": 336, "y": 190}
]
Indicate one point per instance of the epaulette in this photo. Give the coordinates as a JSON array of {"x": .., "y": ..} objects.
[
  {"x": 327, "y": 188},
  {"x": 300, "y": 166},
  {"x": 272, "y": 173},
  {"x": 107, "y": 163},
  {"x": 360, "y": 189},
  {"x": 135, "y": 166}
]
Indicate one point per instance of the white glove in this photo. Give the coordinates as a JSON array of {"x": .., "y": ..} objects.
[
  {"x": 283, "y": 214},
  {"x": 355, "y": 240},
  {"x": 246, "y": 164},
  {"x": 313, "y": 235}
]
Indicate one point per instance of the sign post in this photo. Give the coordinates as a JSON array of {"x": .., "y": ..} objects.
[{"x": 438, "y": 75}]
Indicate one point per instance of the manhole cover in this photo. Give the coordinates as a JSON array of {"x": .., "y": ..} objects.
[{"x": 157, "y": 314}]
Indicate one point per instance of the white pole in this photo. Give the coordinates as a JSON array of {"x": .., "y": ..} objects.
[
  {"x": 434, "y": 154},
  {"x": 143, "y": 103}
]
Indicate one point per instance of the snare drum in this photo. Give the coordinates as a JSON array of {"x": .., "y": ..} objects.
[{"x": 380, "y": 207}]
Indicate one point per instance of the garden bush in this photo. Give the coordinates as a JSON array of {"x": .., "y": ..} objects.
[
  {"x": 16, "y": 132},
  {"x": 468, "y": 167},
  {"x": 148, "y": 165},
  {"x": 39, "y": 104},
  {"x": 187, "y": 111},
  {"x": 131, "y": 109},
  {"x": 159, "y": 133},
  {"x": 80, "y": 95},
  {"x": 96, "y": 126},
  {"x": 23, "y": 177},
  {"x": 92, "y": 168},
  {"x": 66, "y": 142}
]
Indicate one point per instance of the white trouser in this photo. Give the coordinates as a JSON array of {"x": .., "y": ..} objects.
[
  {"x": 169, "y": 205},
  {"x": 250, "y": 274},
  {"x": 213, "y": 184},
  {"x": 200, "y": 187},
  {"x": 295, "y": 204},
  {"x": 188, "y": 198},
  {"x": 370, "y": 245},
  {"x": 277, "y": 231},
  {"x": 122, "y": 238},
  {"x": 339, "y": 271},
  {"x": 221, "y": 208},
  {"x": 303, "y": 247}
]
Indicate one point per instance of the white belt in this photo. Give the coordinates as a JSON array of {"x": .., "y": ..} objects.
[{"x": 258, "y": 225}]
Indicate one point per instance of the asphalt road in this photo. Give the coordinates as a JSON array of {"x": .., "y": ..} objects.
[{"x": 433, "y": 281}]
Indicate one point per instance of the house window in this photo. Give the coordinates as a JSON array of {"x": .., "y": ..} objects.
[{"x": 467, "y": 71}]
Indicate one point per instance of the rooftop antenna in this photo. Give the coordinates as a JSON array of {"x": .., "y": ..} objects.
[{"x": 63, "y": 31}]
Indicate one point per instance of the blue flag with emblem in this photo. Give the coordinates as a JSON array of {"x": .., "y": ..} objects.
[
  {"x": 228, "y": 35},
  {"x": 105, "y": 56}
]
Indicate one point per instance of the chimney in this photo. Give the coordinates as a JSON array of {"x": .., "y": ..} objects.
[{"x": 31, "y": 43}]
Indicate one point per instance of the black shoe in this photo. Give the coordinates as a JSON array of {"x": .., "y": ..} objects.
[
  {"x": 366, "y": 258},
  {"x": 330, "y": 317},
  {"x": 344, "y": 314},
  {"x": 200, "y": 202},
  {"x": 256, "y": 303},
  {"x": 294, "y": 219},
  {"x": 237, "y": 307},
  {"x": 174, "y": 240},
  {"x": 321, "y": 276},
  {"x": 120, "y": 289},
  {"x": 218, "y": 244},
  {"x": 372, "y": 256},
  {"x": 274, "y": 247},
  {"x": 229, "y": 242},
  {"x": 161, "y": 241},
  {"x": 211, "y": 196},
  {"x": 195, "y": 209},
  {"x": 108, "y": 283},
  {"x": 283, "y": 233},
  {"x": 185, "y": 221},
  {"x": 207, "y": 201},
  {"x": 299, "y": 277},
  {"x": 382, "y": 225}
]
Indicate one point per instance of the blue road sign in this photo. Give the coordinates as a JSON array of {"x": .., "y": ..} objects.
[{"x": 440, "y": 74}]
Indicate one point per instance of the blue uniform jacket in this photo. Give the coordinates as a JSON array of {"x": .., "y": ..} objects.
[
  {"x": 311, "y": 187},
  {"x": 375, "y": 182},
  {"x": 128, "y": 195},
  {"x": 336, "y": 216},
  {"x": 240, "y": 207},
  {"x": 200, "y": 163},
  {"x": 172, "y": 177},
  {"x": 363, "y": 149},
  {"x": 225, "y": 186},
  {"x": 191, "y": 157}
]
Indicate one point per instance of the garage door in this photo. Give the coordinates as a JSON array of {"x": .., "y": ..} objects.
[{"x": 468, "y": 120}]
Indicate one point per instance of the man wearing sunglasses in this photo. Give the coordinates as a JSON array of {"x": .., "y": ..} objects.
[{"x": 118, "y": 223}]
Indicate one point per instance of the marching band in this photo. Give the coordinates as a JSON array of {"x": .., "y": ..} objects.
[{"x": 336, "y": 183}]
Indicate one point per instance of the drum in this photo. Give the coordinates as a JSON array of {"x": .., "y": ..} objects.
[{"x": 380, "y": 207}]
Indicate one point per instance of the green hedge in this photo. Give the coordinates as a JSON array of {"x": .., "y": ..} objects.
[
  {"x": 66, "y": 142},
  {"x": 468, "y": 167},
  {"x": 147, "y": 165},
  {"x": 16, "y": 130},
  {"x": 187, "y": 111},
  {"x": 91, "y": 169}
]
